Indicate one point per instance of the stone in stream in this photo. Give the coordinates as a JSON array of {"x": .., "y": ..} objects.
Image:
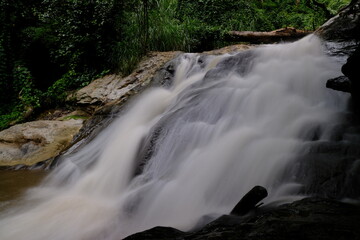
[
  {"x": 341, "y": 83},
  {"x": 250, "y": 201}
]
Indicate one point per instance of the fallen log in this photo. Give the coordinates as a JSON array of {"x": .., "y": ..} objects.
[
  {"x": 249, "y": 201},
  {"x": 279, "y": 35}
]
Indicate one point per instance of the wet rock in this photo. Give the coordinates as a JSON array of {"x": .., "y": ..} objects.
[
  {"x": 231, "y": 49},
  {"x": 157, "y": 233},
  {"x": 241, "y": 62},
  {"x": 329, "y": 167},
  {"x": 351, "y": 68},
  {"x": 250, "y": 200},
  {"x": 342, "y": 33},
  {"x": 165, "y": 75},
  {"x": 34, "y": 142},
  {"x": 306, "y": 219},
  {"x": 345, "y": 26},
  {"x": 351, "y": 81},
  {"x": 327, "y": 176},
  {"x": 352, "y": 71},
  {"x": 341, "y": 83},
  {"x": 310, "y": 218}
]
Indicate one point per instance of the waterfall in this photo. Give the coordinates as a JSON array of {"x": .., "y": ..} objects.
[{"x": 226, "y": 124}]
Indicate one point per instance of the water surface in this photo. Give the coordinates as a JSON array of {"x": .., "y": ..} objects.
[{"x": 13, "y": 184}]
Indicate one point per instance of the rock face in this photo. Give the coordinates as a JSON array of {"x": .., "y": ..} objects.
[
  {"x": 310, "y": 218},
  {"x": 344, "y": 30},
  {"x": 37, "y": 141},
  {"x": 343, "y": 27},
  {"x": 331, "y": 169},
  {"x": 352, "y": 71},
  {"x": 113, "y": 88}
]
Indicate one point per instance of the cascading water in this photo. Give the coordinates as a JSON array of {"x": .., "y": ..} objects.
[{"x": 226, "y": 124}]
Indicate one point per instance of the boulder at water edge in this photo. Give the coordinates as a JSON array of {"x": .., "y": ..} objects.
[{"x": 34, "y": 142}]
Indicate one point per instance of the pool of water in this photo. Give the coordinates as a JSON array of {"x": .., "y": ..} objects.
[{"x": 13, "y": 185}]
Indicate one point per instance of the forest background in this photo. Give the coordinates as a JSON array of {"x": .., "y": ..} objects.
[{"x": 51, "y": 47}]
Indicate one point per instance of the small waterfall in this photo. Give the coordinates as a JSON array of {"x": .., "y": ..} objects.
[{"x": 226, "y": 124}]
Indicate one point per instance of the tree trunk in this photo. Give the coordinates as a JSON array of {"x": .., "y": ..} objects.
[{"x": 283, "y": 34}]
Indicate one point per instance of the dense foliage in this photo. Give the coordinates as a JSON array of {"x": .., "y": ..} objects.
[{"x": 49, "y": 47}]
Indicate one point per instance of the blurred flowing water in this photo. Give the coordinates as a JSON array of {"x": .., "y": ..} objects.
[{"x": 226, "y": 124}]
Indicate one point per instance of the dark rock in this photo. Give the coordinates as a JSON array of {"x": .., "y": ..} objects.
[
  {"x": 329, "y": 168},
  {"x": 241, "y": 63},
  {"x": 326, "y": 176},
  {"x": 351, "y": 68},
  {"x": 352, "y": 71},
  {"x": 147, "y": 148},
  {"x": 157, "y": 233},
  {"x": 343, "y": 27},
  {"x": 249, "y": 201},
  {"x": 165, "y": 75},
  {"x": 351, "y": 81},
  {"x": 341, "y": 83},
  {"x": 310, "y": 218},
  {"x": 342, "y": 32}
]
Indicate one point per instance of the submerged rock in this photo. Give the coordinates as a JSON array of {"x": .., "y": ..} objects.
[{"x": 37, "y": 141}]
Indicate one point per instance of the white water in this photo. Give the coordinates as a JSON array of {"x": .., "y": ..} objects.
[{"x": 220, "y": 135}]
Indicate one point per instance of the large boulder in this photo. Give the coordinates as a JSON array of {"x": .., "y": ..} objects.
[
  {"x": 114, "y": 88},
  {"x": 37, "y": 141}
]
